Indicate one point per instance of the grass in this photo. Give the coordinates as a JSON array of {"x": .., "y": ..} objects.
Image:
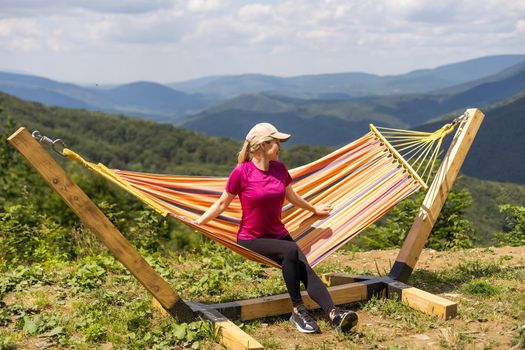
[{"x": 94, "y": 301}]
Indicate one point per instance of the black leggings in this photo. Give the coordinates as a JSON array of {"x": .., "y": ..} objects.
[{"x": 296, "y": 269}]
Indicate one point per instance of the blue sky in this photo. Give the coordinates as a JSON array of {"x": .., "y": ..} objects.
[{"x": 117, "y": 41}]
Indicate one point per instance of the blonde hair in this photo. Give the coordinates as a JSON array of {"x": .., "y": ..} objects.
[{"x": 247, "y": 150}]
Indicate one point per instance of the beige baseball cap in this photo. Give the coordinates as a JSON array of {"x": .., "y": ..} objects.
[{"x": 262, "y": 130}]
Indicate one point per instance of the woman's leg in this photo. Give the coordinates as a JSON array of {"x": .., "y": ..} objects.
[
  {"x": 286, "y": 254},
  {"x": 314, "y": 286},
  {"x": 296, "y": 269}
]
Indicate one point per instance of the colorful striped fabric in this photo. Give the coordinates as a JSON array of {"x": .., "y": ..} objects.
[{"x": 361, "y": 180}]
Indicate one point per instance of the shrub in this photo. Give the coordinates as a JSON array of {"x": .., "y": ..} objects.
[
  {"x": 514, "y": 225},
  {"x": 451, "y": 230}
]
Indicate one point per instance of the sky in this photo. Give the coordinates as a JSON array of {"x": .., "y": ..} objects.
[{"x": 119, "y": 41}]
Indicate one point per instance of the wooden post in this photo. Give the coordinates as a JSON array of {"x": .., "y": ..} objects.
[
  {"x": 89, "y": 213},
  {"x": 436, "y": 196},
  {"x": 228, "y": 333}
]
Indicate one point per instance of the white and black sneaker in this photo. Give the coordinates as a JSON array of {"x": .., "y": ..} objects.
[
  {"x": 304, "y": 321},
  {"x": 344, "y": 321}
]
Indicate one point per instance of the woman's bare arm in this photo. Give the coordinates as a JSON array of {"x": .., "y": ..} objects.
[
  {"x": 216, "y": 208},
  {"x": 295, "y": 199}
]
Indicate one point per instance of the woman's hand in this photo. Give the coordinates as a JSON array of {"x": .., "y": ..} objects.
[
  {"x": 322, "y": 209},
  {"x": 197, "y": 222}
]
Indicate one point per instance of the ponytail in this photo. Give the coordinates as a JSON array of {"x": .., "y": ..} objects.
[
  {"x": 249, "y": 149},
  {"x": 244, "y": 154}
]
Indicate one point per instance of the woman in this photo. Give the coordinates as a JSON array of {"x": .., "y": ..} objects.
[{"x": 262, "y": 183}]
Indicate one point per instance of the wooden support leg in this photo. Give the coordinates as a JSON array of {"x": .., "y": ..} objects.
[
  {"x": 228, "y": 333},
  {"x": 93, "y": 218},
  {"x": 436, "y": 196}
]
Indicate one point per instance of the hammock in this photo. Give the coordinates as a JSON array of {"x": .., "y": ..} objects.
[{"x": 362, "y": 180}]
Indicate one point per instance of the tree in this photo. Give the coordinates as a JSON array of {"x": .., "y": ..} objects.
[{"x": 513, "y": 225}]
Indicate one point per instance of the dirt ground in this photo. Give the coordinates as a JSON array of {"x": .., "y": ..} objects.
[{"x": 378, "y": 331}]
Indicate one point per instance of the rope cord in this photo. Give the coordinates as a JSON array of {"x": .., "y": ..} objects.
[{"x": 417, "y": 151}]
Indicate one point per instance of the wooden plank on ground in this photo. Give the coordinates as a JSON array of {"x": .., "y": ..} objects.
[
  {"x": 337, "y": 278},
  {"x": 93, "y": 218},
  {"x": 234, "y": 338},
  {"x": 429, "y": 303},
  {"x": 281, "y": 304},
  {"x": 228, "y": 333}
]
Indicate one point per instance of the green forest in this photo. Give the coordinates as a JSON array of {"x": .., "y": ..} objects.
[{"x": 42, "y": 242}]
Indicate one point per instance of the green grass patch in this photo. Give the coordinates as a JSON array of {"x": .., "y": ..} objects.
[
  {"x": 481, "y": 287},
  {"x": 406, "y": 318}
]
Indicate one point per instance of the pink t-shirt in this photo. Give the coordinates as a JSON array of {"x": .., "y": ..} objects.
[{"x": 262, "y": 195}]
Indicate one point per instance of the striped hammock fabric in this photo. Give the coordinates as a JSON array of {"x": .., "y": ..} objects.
[{"x": 361, "y": 180}]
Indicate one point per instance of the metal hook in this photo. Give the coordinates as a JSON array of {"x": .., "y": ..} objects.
[
  {"x": 460, "y": 118},
  {"x": 52, "y": 143}
]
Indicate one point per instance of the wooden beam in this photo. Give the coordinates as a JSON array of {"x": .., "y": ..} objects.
[
  {"x": 281, "y": 304},
  {"x": 429, "y": 303},
  {"x": 422, "y": 301},
  {"x": 234, "y": 338},
  {"x": 228, "y": 333},
  {"x": 436, "y": 196},
  {"x": 337, "y": 278},
  {"x": 93, "y": 218}
]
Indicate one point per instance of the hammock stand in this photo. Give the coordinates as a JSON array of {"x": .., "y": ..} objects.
[{"x": 343, "y": 288}]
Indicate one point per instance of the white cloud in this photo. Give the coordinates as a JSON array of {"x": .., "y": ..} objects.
[
  {"x": 254, "y": 11},
  {"x": 205, "y": 5},
  {"x": 520, "y": 25},
  {"x": 278, "y": 37},
  {"x": 38, "y": 7}
]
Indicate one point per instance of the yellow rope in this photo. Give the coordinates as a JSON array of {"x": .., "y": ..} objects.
[
  {"x": 110, "y": 175},
  {"x": 415, "y": 150}
]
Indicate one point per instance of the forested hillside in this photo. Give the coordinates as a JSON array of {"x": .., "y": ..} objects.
[
  {"x": 136, "y": 144},
  {"x": 497, "y": 151}
]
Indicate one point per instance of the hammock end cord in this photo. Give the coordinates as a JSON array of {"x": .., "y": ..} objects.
[
  {"x": 398, "y": 157},
  {"x": 423, "y": 141}
]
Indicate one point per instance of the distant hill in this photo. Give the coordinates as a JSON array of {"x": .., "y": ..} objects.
[
  {"x": 51, "y": 92},
  {"x": 171, "y": 103},
  {"x": 345, "y": 85},
  {"x": 142, "y": 99},
  {"x": 497, "y": 153},
  {"x": 336, "y": 122},
  {"x": 155, "y": 99},
  {"x": 319, "y": 130},
  {"x": 504, "y": 74},
  {"x": 486, "y": 196}
]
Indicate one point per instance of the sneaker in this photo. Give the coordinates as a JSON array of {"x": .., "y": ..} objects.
[
  {"x": 303, "y": 320},
  {"x": 344, "y": 321}
]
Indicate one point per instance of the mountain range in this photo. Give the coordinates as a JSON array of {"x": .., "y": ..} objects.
[
  {"x": 339, "y": 108},
  {"x": 335, "y": 122},
  {"x": 345, "y": 85},
  {"x": 173, "y": 102}
]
